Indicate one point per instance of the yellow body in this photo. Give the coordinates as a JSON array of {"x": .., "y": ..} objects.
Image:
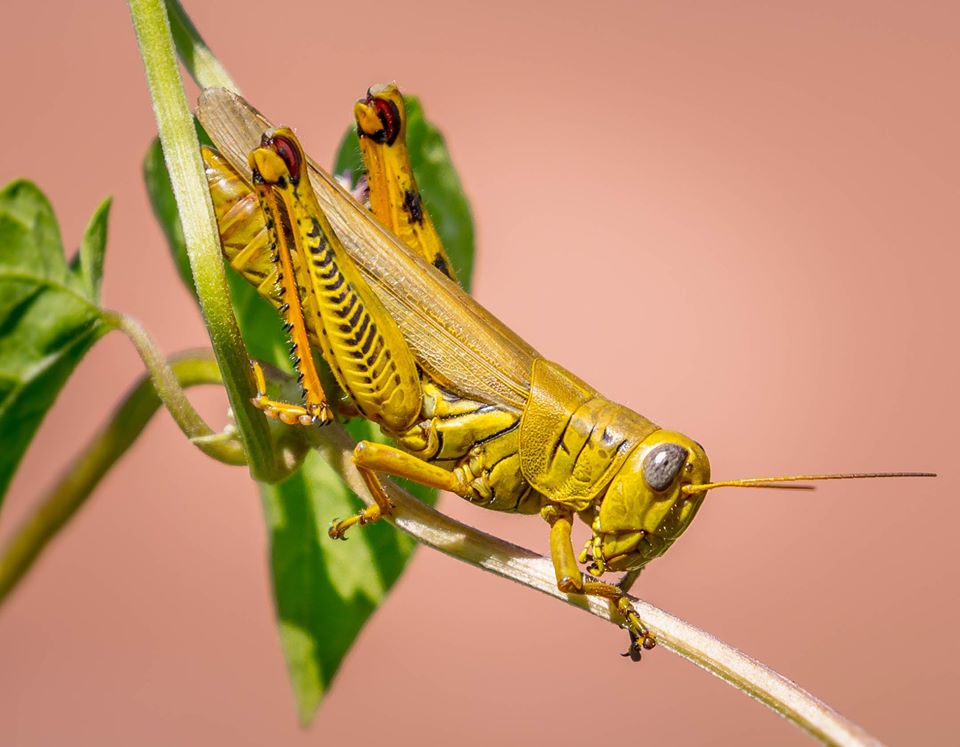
[{"x": 472, "y": 408}]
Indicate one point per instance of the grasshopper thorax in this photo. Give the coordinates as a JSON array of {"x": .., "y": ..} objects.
[{"x": 645, "y": 507}]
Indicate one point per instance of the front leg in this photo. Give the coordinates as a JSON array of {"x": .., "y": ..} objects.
[{"x": 570, "y": 579}]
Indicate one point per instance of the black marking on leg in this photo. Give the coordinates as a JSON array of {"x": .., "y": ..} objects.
[
  {"x": 441, "y": 265},
  {"x": 342, "y": 313},
  {"x": 413, "y": 206},
  {"x": 356, "y": 314},
  {"x": 335, "y": 285},
  {"x": 376, "y": 352},
  {"x": 327, "y": 274},
  {"x": 358, "y": 337},
  {"x": 366, "y": 345}
]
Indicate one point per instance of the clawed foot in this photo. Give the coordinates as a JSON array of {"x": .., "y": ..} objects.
[
  {"x": 640, "y": 638},
  {"x": 638, "y": 645},
  {"x": 294, "y": 414},
  {"x": 338, "y": 528}
]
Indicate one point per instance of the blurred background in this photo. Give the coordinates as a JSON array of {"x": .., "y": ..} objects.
[{"x": 737, "y": 218}]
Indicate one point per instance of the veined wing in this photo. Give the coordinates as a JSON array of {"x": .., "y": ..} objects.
[{"x": 458, "y": 342}]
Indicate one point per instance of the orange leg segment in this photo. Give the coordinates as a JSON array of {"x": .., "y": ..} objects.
[{"x": 313, "y": 412}]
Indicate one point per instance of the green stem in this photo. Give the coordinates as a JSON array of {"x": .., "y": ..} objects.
[
  {"x": 200, "y": 62},
  {"x": 78, "y": 481},
  {"x": 181, "y": 152},
  {"x": 171, "y": 393}
]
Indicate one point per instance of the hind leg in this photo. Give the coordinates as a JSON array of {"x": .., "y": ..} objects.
[{"x": 394, "y": 196}]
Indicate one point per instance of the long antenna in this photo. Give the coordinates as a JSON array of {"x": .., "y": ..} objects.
[{"x": 768, "y": 482}]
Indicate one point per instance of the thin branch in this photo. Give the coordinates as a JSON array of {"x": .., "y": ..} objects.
[
  {"x": 170, "y": 392},
  {"x": 181, "y": 152},
  {"x": 57, "y": 507},
  {"x": 536, "y": 572}
]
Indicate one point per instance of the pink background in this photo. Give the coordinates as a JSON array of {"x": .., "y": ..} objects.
[{"x": 738, "y": 218}]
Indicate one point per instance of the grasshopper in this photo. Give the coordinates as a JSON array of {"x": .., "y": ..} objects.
[{"x": 471, "y": 408}]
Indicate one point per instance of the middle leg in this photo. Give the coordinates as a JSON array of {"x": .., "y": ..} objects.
[{"x": 371, "y": 458}]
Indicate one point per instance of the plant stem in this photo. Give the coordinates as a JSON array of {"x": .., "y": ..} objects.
[
  {"x": 535, "y": 571},
  {"x": 182, "y": 155},
  {"x": 57, "y": 507},
  {"x": 171, "y": 394}
]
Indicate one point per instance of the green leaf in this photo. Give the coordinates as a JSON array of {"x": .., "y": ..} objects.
[
  {"x": 49, "y": 316},
  {"x": 324, "y": 590},
  {"x": 437, "y": 179},
  {"x": 92, "y": 249}
]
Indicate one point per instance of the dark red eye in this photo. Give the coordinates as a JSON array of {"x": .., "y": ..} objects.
[
  {"x": 290, "y": 155},
  {"x": 389, "y": 118}
]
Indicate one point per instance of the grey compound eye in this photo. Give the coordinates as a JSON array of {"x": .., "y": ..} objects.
[{"x": 662, "y": 465}]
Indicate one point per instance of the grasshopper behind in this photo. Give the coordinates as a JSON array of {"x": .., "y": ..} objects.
[{"x": 472, "y": 408}]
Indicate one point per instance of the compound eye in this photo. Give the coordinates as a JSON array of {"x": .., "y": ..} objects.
[
  {"x": 662, "y": 466},
  {"x": 290, "y": 155}
]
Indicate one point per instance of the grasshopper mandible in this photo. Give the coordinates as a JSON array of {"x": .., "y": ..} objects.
[{"x": 471, "y": 407}]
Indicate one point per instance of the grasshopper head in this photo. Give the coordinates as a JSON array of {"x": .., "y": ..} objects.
[
  {"x": 381, "y": 116},
  {"x": 658, "y": 491},
  {"x": 645, "y": 508}
]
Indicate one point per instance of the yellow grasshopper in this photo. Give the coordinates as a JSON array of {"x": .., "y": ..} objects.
[{"x": 471, "y": 407}]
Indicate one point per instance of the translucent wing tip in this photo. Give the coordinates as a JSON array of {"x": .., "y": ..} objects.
[
  {"x": 232, "y": 124},
  {"x": 211, "y": 98}
]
